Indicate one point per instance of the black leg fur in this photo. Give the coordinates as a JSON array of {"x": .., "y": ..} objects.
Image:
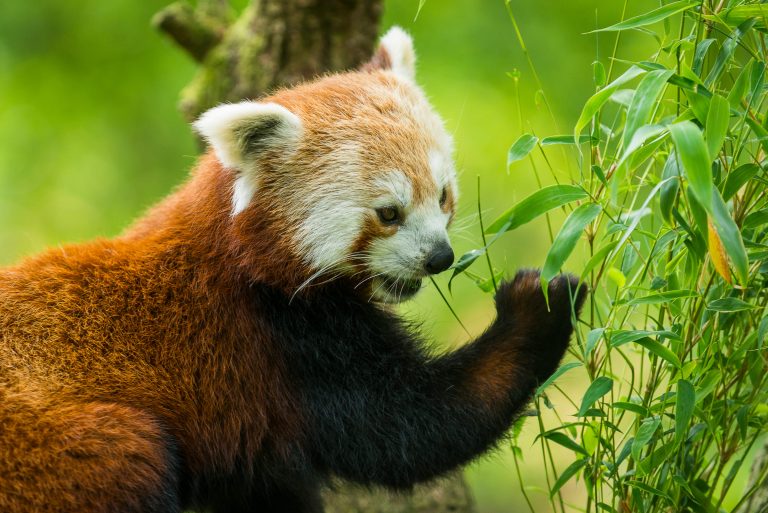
[{"x": 383, "y": 411}]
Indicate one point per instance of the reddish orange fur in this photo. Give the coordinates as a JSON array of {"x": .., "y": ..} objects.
[
  {"x": 110, "y": 346},
  {"x": 154, "y": 320}
]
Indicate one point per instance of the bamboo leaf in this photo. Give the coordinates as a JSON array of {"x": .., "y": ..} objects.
[
  {"x": 559, "y": 372},
  {"x": 668, "y": 193},
  {"x": 599, "y": 98},
  {"x": 466, "y": 260},
  {"x": 694, "y": 156},
  {"x": 730, "y": 236},
  {"x": 644, "y": 435},
  {"x": 650, "y": 17},
  {"x": 737, "y": 178},
  {"x": 718, "y": 118},
  {"x": 563, "y": 439},
  {"x": 685, "y": 400},
  {"x": 597, "y": 389},
  {"x": 645, "y": 101},
  {"x": 535, "y": 205},
  {"x": 568, "y": 139},
  {"x": 662, "y": 297},
  {"x": 717, "y": 253},
  {"x": 567, "y": 474},
  {"x": 660, "y": 350},
  {"x": 521, "y": 148},
  {"x": 566, "y": 239},
  {"x": 729, "y": 304}
]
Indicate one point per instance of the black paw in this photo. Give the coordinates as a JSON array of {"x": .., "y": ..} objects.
[
  {"x": 522, "y": 298},
  {"x": 541, "y": 328}
]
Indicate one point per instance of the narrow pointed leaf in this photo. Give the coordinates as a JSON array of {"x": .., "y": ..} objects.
[
  {"x": 737, "y": 178},
  {"x": 694, "y": 155},
  {"x": 684, "y": 405},
  {"x": 597, "y": 389},
  {"x": 566, "y": 239},
  {"x": 651, "y": 17},
  {"x": 729, "y": 234},
  {"x": 717, "y": 253},
  {"x": 718, "y": 118},
  {"x": 644, "y": 101},
  {"x": 536, "y": 204},
  {"x": 559, "y": 372},
  {"x": 599, "y": 98},
  {"x": 567, "y": 474},
  {"x": 521, "y": 148}
]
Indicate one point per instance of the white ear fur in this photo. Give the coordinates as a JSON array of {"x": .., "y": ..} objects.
[
  {"x": 399, "y": 47},
  {"x": 238, "y": 131},
  {"x": 225, "y": 126}
]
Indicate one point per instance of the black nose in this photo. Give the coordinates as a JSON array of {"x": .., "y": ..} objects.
[{"x": 440, "y": 259}]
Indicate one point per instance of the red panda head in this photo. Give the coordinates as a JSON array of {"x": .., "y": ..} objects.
[{"x": 357, "y": 167}]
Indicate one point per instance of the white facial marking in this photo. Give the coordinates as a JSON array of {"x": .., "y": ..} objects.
[
  {"x": 442, "y": 170},
  {"x": 334, "y": 215},
  {"x": 395, "y": 188}
]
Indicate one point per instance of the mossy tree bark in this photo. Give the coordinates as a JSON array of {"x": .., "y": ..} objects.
[{"x": 272, "y": 44}]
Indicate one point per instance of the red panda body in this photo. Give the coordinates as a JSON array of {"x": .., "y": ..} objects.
[{"x": 192, "y": 363}]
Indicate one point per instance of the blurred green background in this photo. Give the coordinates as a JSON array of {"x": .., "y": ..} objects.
[{"x": 90, "y": 135}]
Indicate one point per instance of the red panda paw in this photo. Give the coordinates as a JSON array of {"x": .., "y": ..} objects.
[{"x": 522, "y": 303}]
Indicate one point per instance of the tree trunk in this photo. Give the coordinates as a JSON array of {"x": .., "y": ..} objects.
[{"x": 272, "y": 44}]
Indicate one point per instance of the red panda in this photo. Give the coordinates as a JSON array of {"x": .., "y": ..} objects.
[{"x": 231, "y": 352}]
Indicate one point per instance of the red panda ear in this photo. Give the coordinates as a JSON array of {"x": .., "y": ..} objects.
[
  {"x": 238, "y": 132},
  {"x": 395, "y": 53}
]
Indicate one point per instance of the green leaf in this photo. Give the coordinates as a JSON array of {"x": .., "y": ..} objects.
[
  {"x": 559, "y": 372},
  {"x": 563, "y": 439},
  {"x": 737, "y": 178},
  {"x": 634, "y": 408},
  {"x": 566, "y": 239},
  {"x": 650, "y": 17},
  {"x": 621, "y": 337},
  {"x": 645, "y": 100},
  {"x": 535, "y": 205},
  {"x": 668, "y": 193},
  {"x": 597, "y": 389},
  {"x": 464, "y": 262},
  {"x": 660, "y": 350},
  {"x": 599, "y": 98},
  {"x": 597, "y": 258},
  {"x": 567, "y": 474},
  {"x": 567, "y": 139},
  {"x": 731, "y": 237},
  {"x": 739, "y": 89},
  {"x": 662, "y": 297},
  {"x": 593, "y": 337},
  {"x": 649, "y": 489},
  {"x": 685, "y": 400},
  {"x": 598, "y": 73},
  {"x": 729, "y": 304},
  {"x": 756, "y": 219},
  {"x": 521, "y": 148},
  {"x": 718, "y": 117},
  {"x": 726, "y": 51},
  {"x": 644, "y": 435},
  {"x": 694, "y": 156}
]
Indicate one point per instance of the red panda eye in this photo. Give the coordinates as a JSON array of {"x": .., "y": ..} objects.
[
  {"x": 443, "y": 196},
  {"x": 388, "y": 215}
]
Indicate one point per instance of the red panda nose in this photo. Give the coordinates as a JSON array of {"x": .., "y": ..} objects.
[{"x": 440, "y": 259}]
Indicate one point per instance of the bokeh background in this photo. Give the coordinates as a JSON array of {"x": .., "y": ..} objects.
[{"x": 90, "y": 135}]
